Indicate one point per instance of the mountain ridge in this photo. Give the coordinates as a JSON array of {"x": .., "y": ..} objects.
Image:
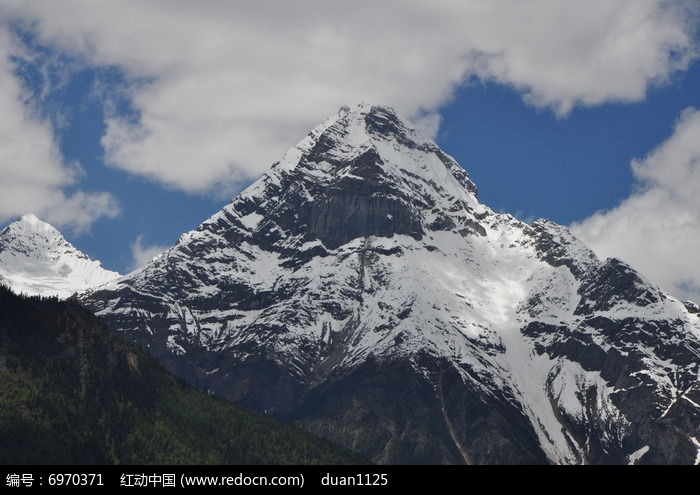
[{"x": 363, "y": 257}]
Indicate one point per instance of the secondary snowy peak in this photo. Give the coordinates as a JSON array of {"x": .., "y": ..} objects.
[
  {"x": 361, "y": 278},
  {"x": 36, "y": 259}
]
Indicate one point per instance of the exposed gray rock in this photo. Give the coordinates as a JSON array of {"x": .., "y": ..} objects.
[{"x": 361, "y": 290}]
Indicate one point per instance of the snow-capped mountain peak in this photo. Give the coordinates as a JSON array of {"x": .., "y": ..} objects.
[
  {"x": 360, "y": 288},
  {"x": 366, "y": 131},
  {"x": 29, "y": 225},
  {"x": 36, "y": 259}
]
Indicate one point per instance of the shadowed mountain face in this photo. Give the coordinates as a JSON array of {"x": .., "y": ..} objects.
[
  {"x": 360, "y": 289},
  {"x": 73, "y": 393}
]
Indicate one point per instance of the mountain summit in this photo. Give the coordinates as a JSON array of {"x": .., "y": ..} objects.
[
  {"x": 35, "y": 259},
  {"x": 360, "y": 289}
]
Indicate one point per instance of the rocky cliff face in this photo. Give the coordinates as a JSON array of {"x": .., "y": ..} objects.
[{"x": 360, "y": 289}]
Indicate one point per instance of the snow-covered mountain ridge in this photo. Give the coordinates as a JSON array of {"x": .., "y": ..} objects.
[
  {"x": 35, "y": 259},
  {"x": 361, "y": 289}
]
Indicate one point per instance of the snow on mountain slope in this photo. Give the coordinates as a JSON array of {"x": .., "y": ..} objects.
[
  {"x": 360, "y": 289},
  {"x": 35, "y": 259}
]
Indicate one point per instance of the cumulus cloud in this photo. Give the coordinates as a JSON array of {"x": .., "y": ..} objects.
[
  {"x": 142, "y": 253},
  {"x": 657, "y": 228},
  {"x": 33, "y": 176},
  {"x": 223, "y": 88},
  {"x": 78, "y": 211}
]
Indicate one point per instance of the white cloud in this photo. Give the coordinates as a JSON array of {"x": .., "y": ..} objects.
[
  {"x": 428, "y": 124},
  {"x": 231, "y": 85},
  {"x": 33, "y": 176},
  {"x": 142, "y": 254},
  {"x": 657, "y": 229},
  {"x": 78, "y": 211}
]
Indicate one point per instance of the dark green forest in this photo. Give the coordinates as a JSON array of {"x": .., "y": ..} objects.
[{"x": 72, "y": 392}]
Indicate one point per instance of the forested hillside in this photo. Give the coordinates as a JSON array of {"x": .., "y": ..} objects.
[{"x": 70, "y": 392}]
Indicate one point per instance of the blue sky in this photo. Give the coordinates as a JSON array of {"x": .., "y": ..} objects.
[
  {"x": 138, "y": 120},
  {"x": 532, "y": 164}
]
